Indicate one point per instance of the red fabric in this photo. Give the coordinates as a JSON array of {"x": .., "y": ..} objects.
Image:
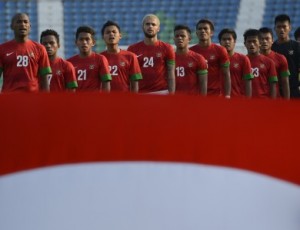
[{"x": 47, "y": 129}]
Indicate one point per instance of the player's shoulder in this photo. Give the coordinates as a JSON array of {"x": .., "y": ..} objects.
[
  {"x": 72, "y": 58},
  {"x": 135, "y": 45},
  {"x": 195, "y": 54}
]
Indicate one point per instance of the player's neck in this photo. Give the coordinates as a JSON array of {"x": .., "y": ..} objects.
[
  {"x": 230, "y": 52},
  {"x": 52, "y": 57},
  {"x": 184, "y": 50},
  {"x": 113, "y": 48},
  {"x": 150, "y": 41},
  {"x": 283, "y": 40},
  {"x": 21, "y": 39},
  {"x": 253, "y": 54},
  {"x": 265, "y": 52},
  {"x": 205, "y": 43},
  {"x": 85, "y": 54}
]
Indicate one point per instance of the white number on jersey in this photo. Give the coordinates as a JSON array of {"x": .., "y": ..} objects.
[
  {"x": 255, "y": 71},
  {"x": 148, "y": 62},
  {"x": 180, "y": 71},
  {"x": 81, "y": 75},
  {"x": 49, "y": 78},
  {"x": 113, "y": 70},
  {"x": 22, "y": 61}
]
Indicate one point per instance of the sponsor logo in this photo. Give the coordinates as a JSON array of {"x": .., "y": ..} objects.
[
  {"x": 58, "y": 72},
  {"x": 8, "y": 54}
]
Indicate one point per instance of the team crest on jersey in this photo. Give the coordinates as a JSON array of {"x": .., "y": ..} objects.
[
  {"x": 190, "y": 64},
  {"x": 212, "y": 57},
  {"x": 31, "y": 54},
  {"x": 58, "y": 72},
  {"x": 291, "y": 52},
  {"x": 92, "y": 66},
  {"x": 158, "y": 55},
  {"x": 122, "y": 63},
  {"x": 236, "y": 65},
  {"x": 262, "y": 66}
]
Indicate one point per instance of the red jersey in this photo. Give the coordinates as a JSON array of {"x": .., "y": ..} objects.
[
  {"x": 124, "y": 67},
  {"x": 217, "y": 58},
  {"x": 153, "y": 60},
  {"x": 240, "y": 70},
  {"x": 281, "y": 65},
  {"x": 90, "y": 71},
  {"x": 63, "y": 75},
  {"x": 22, "y": 63},
  {"x": 188, "y": 67},
  {"x": 264, "y": 72}
]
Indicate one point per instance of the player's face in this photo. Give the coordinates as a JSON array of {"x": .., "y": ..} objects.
[
  {"x": 282, "y": 30},
  {"x": 111, "y": 35},
  {"x": 181, "y": 38},
  {"x": 151, "y": 27},
  {"x": 50, "y": 44},
  {"x": 85, "y": 42},
  {"x": 252, "y": 44},
  {"x": 21, "y": 25},
  {"x": 204, "y": 32},
  {"x": 266, "y": 41},
  {"x": 228, "y": 42}
]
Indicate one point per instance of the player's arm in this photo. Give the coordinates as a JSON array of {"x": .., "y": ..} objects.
[
  {"x": 227, "y": 81},
  {"x": 273, "y": 89},
  {"x": 44, "y": 82},
  {"x": 105, "y": 86},
  {"x": 285, "y": 86},
  {"x": 171, "y": 78},
  {"x": 248, "y": 88},
  {"x": 134, "y": 86}
]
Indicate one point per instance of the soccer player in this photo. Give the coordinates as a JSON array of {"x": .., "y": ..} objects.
[
  {"x": 92, "y": 69},
  {"x": 240, "y": 67},
  {"x": 124, "y": 66},
  {"x": 156, "y": 59},
  {"x": 191, "y": 67},
  {"x": 23, "y": 62},
  {"x": 63, "y": 73},
  {"x": 283, "y": 73},
  {"x": 290, "y": 49},
  {"x": 217, "y": 58},
  {"x": 297, "y": 34},
  {"x": 263, "y": 68}
]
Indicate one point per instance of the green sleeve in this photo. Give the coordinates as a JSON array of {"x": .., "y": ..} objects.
[
  {"x": 135, "y": 77},
  {"x": 45, "y": 71},
  {"x": 106, "y": 77}
]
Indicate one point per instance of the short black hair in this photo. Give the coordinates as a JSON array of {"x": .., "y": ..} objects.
[
  {"x": 182, "y": 27},
  {"x": 282, "y": 18},
  {"x": 85, "y": 29},
  {"x": 265, "y": 30},
  {"x": 49, "y": 32},
  {"x": 110, "y": 23},
  {"x": 227, "y": 31},
  {"x": 297, "y": 33},
  {"x": 251, "y": 33},
  {"x": 16, "y": 16},
  {"x": 205, "y": 20}
]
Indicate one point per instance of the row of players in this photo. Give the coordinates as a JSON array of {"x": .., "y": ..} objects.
[{"x": 152, "y": 66}]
